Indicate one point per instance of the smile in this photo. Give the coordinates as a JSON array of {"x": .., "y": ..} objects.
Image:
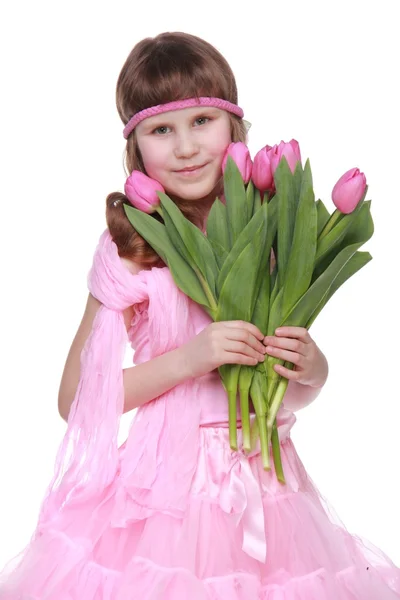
[{"x": 191, "y": 171}]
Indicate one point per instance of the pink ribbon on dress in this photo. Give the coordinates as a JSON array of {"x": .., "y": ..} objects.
[
  {"x": 241, "y": 496},
  {"x": 241, "y": 493}
]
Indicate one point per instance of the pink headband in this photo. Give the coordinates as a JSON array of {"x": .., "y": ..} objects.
[{"x": 189, "y": 102}]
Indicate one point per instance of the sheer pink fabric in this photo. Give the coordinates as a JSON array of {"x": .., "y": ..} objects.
[{"x": 88, "y": 458}]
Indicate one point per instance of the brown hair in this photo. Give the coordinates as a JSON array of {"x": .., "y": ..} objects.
[{"x": 171, "y": 66}]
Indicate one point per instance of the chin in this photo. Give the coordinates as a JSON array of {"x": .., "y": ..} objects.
[{"x": 195, "y": 192}]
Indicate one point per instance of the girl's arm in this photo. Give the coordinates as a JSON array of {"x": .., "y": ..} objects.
[
  {"x": 299, "y": 395},
  {"x": 225, "y": 342},
  {"x": 141, "y": 382},
  {"x": 71, "y": 373}
]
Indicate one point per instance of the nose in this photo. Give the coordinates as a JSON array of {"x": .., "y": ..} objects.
[{"x": 186, "y": 145}]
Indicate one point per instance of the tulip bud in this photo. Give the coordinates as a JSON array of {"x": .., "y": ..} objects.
[
  {"x": 262, "y": 172},
  {"x": 241, "y": 155},
  {"x": 141, "y": 192},
  {"x": 290, "y": 150},
  {"x": 349, "y": 190}
]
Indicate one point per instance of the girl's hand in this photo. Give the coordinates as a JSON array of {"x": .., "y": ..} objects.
[
  {"x": 225, "y": 342},
  {"x": 295, "y": 345}
]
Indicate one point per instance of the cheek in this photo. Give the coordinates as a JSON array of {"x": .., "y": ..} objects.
[
  {"x": 153, "y": 159},
  {"x": 222, "y": 142}
]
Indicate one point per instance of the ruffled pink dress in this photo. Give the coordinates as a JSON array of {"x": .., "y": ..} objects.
[{"x": 216, "y": 526}]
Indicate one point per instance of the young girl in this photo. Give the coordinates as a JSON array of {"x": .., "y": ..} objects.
[{"x": 174, "y": 513}]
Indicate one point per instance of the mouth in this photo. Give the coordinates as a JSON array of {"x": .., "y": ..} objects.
[{"x": 191, "y": 170}]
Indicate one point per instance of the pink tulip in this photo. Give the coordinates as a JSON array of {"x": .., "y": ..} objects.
[
  {"x": 141, "y": 192},
  {"x": 290, "y": 150},
  {"x": 241, "y": 155},
  {"x": 349, "y": 190},
  {"x": 262, "y": 172}
]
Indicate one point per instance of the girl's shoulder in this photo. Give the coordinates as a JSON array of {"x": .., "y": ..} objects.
[{"x": 131, "y": 265}]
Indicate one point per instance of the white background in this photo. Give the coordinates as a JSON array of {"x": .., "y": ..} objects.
[{"x": 322, "y": 73}]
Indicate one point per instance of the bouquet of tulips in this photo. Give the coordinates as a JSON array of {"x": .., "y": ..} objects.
[{"x": 271, "y": 255}]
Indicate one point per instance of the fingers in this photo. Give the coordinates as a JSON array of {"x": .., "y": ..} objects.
[
  {"x": 244, "y": 325},
  {"x": 293, "y": 357},
  {"x": 246, "y": 337},
  {"x": 233, "y": 358},
  {"x": 244, "y": 349},
  {"x": 287, "y": 373},
  {"x": 271, "y": 342},
  {"x": 294, "y": 332}
]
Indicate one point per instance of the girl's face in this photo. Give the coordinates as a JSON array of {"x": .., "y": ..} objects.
[{"x": 183, "y": 149}]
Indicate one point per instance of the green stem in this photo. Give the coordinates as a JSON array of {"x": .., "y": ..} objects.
[
  {"x": 272, "y": 384},
  {"x": 276, "y": 401},
  {"x": 232, "y": 410},
  {"x": 245, "y": 415},
  {"x": 334, "y": 218},
  {"x": 245, "y": 378},
  {"x": 258, "y": 395},
  {"x": 276, "y": 451},
  {"x": 254, "y": 435},
  {"x": 230, "y": 379},
  {"x": 209, "y": 295},
  {"x": 262, "y": 428},
  {"x": 272, "y": 375}
]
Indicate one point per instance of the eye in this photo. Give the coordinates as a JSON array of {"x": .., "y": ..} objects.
[
  {"x": 160, "y": 130},
  {"x": 203, "y": 119}
]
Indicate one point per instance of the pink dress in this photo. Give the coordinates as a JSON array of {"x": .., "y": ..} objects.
[{"x": 241, "y": 534}]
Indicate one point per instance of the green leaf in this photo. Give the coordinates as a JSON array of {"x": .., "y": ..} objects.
[
  {"x": 332, "y": 239},
  {"x": 356, "y": 262},
  {"x": 246, "y": 235},
  {"x": 360, "y": 229},
  {"x": 261, "y": 308},
  {"x": 297, "y": 178},
  {"x": 236, "y": 200},
  {"x": 238, "y": 293},
  {"x": 308, "y": 303},
  {"x": 272, "y": 212},
  {"x": 275, "y": 312},
  {"x": 300, "y": 264},
  {"x": 190, "y": 242},
  {"x": 156, "y": 235},
  {"x": 220, "y": 253},
  {"x": 257, "y": 201},
  {"x": 217, "y": 225},
  {"x": 287, "y": 208},
  {"x": 250, "y": 195},
  {"x": 273, "y": 285},
  {"x": 272, "y": 232}
]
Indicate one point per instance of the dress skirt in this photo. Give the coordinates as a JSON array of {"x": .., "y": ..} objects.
[{"x": 245, "y": 536}]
